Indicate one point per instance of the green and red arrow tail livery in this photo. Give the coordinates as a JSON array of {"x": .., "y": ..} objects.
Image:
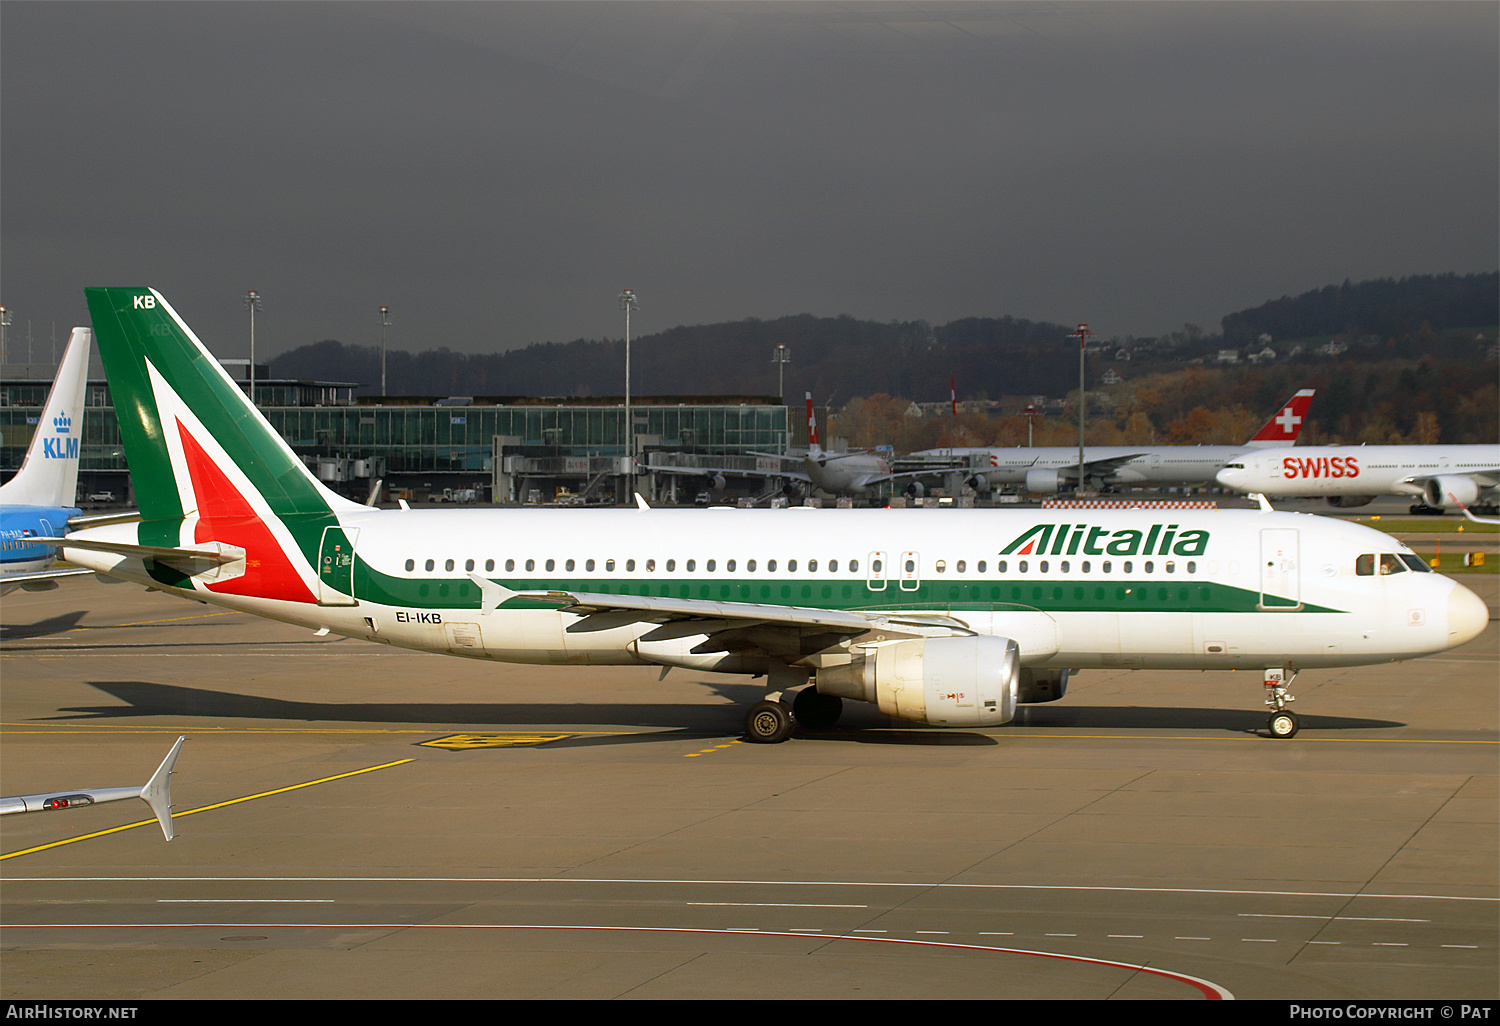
[{"x": 207, "y": 468}]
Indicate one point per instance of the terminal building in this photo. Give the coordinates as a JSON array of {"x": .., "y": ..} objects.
[{"x": 498, "y": 449}]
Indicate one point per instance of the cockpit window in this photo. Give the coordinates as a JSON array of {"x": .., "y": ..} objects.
[
  {"x": 1390, "y": 563},
  {"x": 1417, "y": 563},
  {"x": 1364, "y": 564}
]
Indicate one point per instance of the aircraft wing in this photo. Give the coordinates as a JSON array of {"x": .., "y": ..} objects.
[
  {"x": 700, "y": 616},
  {"x": 191, "y": 560}
]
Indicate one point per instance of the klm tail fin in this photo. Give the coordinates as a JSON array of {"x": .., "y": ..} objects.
[
  {"x": 1284, "y": 428},
  {"x": 49, "y": 473},
  {"x": 191, "y": 436}
]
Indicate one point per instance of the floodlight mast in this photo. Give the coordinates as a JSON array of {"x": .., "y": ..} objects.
[
  {"x": 252, "y": 303},
  {"x": 628, "y": 303},
  {"x": 781, "y": 357},
  {"x": 1082, "y": 335},
  {"x": 385, "y": 322}
]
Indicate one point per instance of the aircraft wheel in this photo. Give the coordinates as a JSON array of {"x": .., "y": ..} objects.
[
  {"x": 1283, "y": 723},
  {"x": 768, "y": 723},
  {"x": 815, "y": 710}
]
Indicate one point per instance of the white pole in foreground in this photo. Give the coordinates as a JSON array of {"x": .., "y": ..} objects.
[{"x": 627, "y": 303}]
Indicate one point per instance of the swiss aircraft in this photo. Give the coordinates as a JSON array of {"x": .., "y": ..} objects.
[
  {"x": 1442, "y": 476},
  {"x": 949, "y": 618},
  {"x": 39, "y": 500},
  {"x": 1051, "y": 469}
]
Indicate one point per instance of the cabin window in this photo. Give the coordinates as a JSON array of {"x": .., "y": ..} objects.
[
  {"x": 630, "y": 566},
  {"x": 729, "y": 565},
  {"x": 1192, "y": 567},
  {"x": 510, "y": 565},
  {"x": 568, "y": 566},
  {"x": 770, "y": 566},
  {"x": 530, "y": 565},
  {"x": 1086, "y": 566},
  {"x": 692, "y": 564},
  {"x": 833, "y": 566},
  {"x": 1107, "y": 565},
  {"x": 1043, "y": 566},
  {"x": 551, "y": 565},
  {"x": 1064, "y": 566},
  {"x": 812, "y": 566},
  {"x": 941, "y": 566},
  {"x": 609, "y": 566},
  {"x": 671, "y": 565},
  {"x": 1128, "y": 565},
  {"x": 961, "y": 566},
  {"x": 430, "y": 565},
  {"x": 710, "y": 566},
  {"x": 875, "y": 566},
  {"x": 854, "y": 566},
  {"x": 650, "y": 565},
  {"x": 791, "y": 566},
  {"x": 981, "y": 566},
  {"x": 750, "y": 566},
  {"x": 411, "y": 564},
  {"x": 448, "y": 564},
  {"x": 489, "y": 565},
  {"x": 1150, "y": 566},
  {"x": 588, "y": 565},
  {"x": 1171, "y": 566}
]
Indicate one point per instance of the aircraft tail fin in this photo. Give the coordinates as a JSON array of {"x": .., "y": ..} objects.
[
  {"x": 49, "y": 472},
  {"x": 1286, "y": 425},
  {"x": 812, "y": 426},
  {"x": 195, "y": 442},
  {"x": 158, "y": 790}
]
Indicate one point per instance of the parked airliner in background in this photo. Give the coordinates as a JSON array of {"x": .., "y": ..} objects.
[
  {"x": 1051, "y": 469},
  {"x": 1442, "y": 476},
  {"x": 40, "y": 499},
  {"x": 950, "y": 618}
]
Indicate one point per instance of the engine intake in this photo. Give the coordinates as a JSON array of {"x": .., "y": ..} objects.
[
  {"x": 948, "y": 682},
  {"x": 1441, "y": 492},
  {"x": 1043, "y": 482}
]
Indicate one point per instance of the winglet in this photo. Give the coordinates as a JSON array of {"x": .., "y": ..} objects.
[
  {"x": 158, "y": 790},
  {"x": 1265, "y": 504},
  {"x": 640, "y": 502}
]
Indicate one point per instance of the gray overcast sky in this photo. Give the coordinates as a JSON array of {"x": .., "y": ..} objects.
[{"x": 497, "y": 172}]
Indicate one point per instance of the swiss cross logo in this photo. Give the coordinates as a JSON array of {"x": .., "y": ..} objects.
[{"x": 1288, "y": 420}]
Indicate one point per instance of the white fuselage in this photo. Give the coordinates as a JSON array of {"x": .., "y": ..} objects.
[
  {"x": 1166, "y": 465},
  {"x": 1357, "y": 469},
  {"x": 1189, "y": 589}
]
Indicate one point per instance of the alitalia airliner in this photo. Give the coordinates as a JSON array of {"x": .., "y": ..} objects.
[{"x": 949, "y": 617}]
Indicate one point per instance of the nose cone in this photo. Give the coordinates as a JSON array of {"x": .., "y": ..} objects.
[
  {"x": 1231, "y": 477},
  {"x": 1467, "y": 616}
]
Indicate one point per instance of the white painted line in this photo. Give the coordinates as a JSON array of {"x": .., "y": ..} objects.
[
  {"x": 769, "y": 904},
  {"x": 244, "y": 901},
  {"x": 1126, "y": 936},
  {"x": 1333, "y": 919}
]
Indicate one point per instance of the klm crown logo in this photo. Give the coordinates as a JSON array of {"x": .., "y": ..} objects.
[{"x": 59, "y": 447}]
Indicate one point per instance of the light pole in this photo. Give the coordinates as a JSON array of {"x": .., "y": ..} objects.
[
  {"x": 781, "y": 357},
  {"x": 252, "y": 303},
  {"x": 1082, "y": 335},
  {"x": 628, "y": 303},
  {"x": 385, "y": 322},
  {"x": 4, "y": 323}
]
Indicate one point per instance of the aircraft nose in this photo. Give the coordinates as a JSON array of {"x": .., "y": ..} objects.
[
  {"x": 1467, "y": 616},
  {"x": 1229, "y": 478}
]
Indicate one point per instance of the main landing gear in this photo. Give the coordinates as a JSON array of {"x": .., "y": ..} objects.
[
  {"x": 1283, "y": 722},
  {"x": 771, "y": 721}
]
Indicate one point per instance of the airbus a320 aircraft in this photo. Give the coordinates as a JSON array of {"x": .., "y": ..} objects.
[
  {"x": 950, "y": 618},
  {"x": 40, "y": 499},
  {"x": 1050, "y": 469},
  {"x": 1442, "y": 476}
]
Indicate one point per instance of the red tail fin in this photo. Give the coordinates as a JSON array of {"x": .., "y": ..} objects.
[
  {"x": 812, "y": 424},
  {"x": 1283, "y": 428}
]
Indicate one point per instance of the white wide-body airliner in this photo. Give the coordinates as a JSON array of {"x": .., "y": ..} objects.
[
  {"x": 950, "y": 618},
  {"x": 1049, "y": 469},
  {"x": 1442, "y": 476}
]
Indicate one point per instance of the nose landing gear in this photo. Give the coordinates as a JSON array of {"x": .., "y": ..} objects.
[{"x": 1283, "y": 722}]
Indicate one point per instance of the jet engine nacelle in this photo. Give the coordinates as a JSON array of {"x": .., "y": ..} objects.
[
  {"x": 1038, "y": 686},
  {"x": 916, "y": 489},
  {"x": 1349, "y": 501},
  {"x": 948, "y": 682},
  {"x": 1043, "y": 482},
  {"x": 1440, "y": 492},
  {"x": 714, "y": 482}
]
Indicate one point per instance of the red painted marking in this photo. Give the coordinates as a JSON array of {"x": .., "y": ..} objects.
[{"x": 225, "y": 515}]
